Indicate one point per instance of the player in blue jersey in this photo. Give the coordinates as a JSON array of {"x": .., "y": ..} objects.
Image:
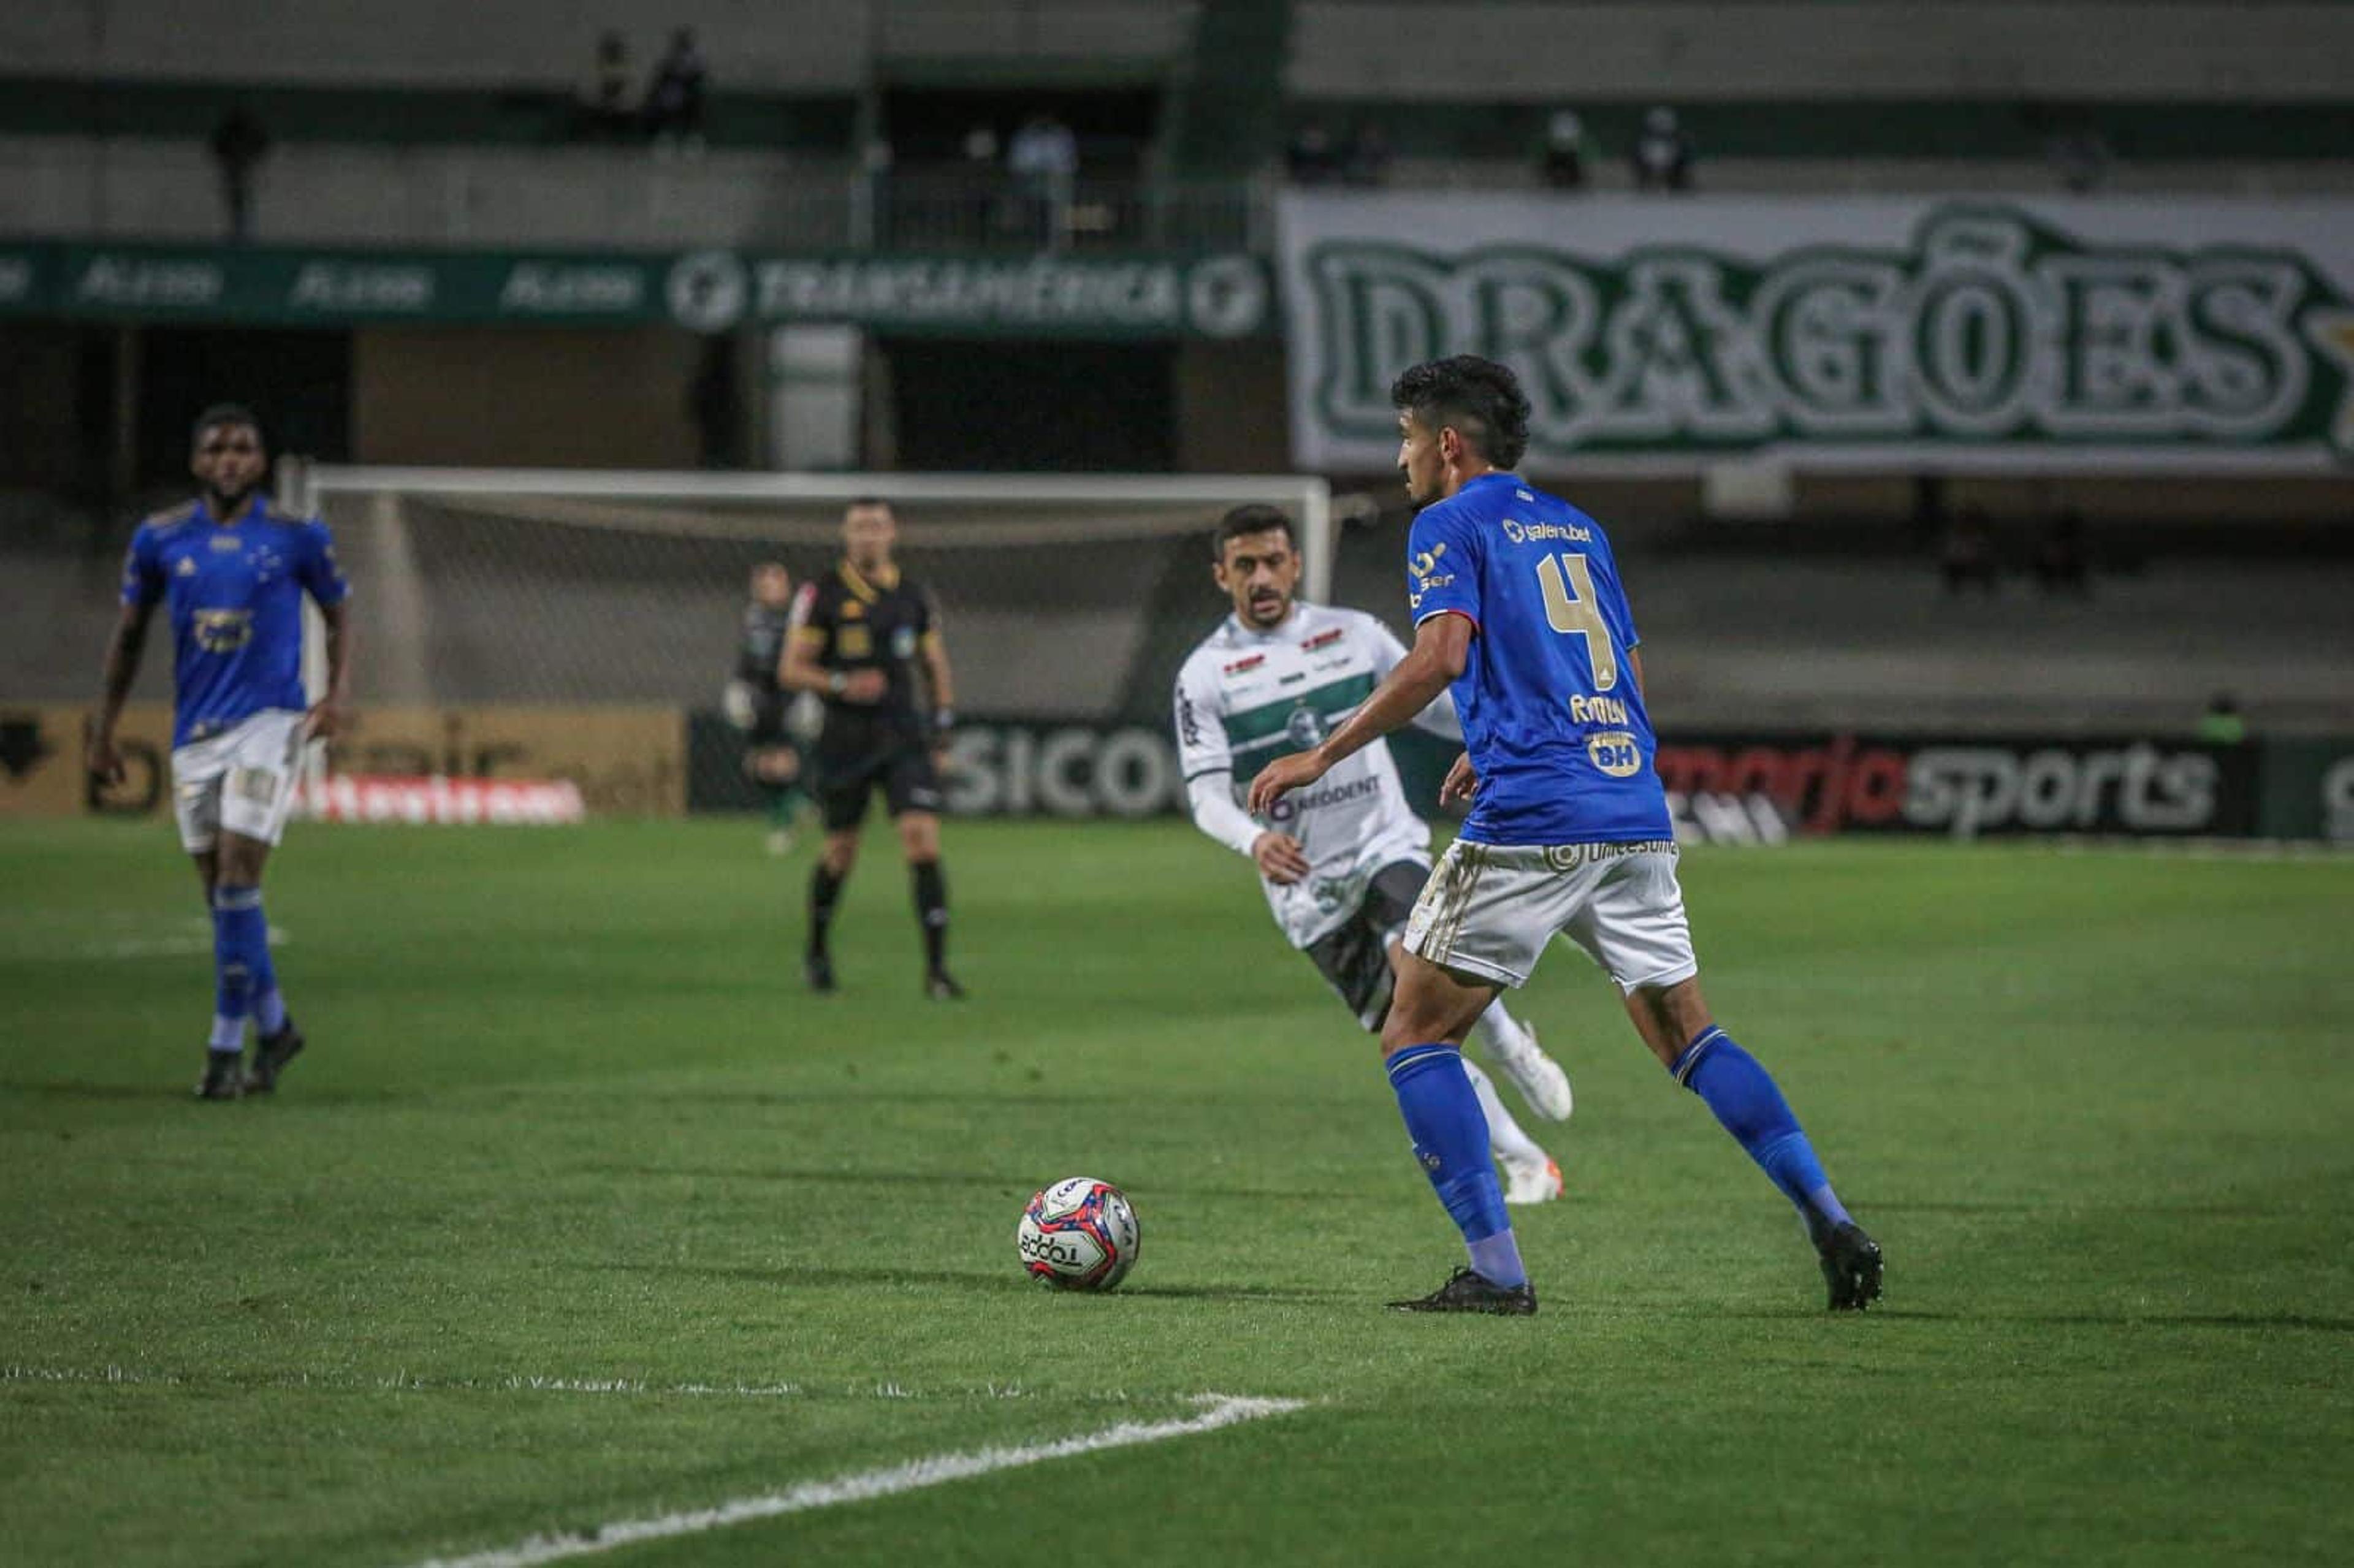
[
  {"x": 1519, "y": 611},
  {"x": 232, "y": 570}
]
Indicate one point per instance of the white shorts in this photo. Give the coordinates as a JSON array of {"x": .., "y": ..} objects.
[
  {"x": 1490, "y": 909},
  {"x": 240, "y": 781}
]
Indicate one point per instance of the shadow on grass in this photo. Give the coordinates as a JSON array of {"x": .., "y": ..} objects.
[
  {"x": 1014, "y": 1186},
  {"x": 2047, "y": 1209},
  {"x": 2301, "y": 1320},
  {"x": 1000, "y": 1282},
  {"x": 101, "y": 1091}
]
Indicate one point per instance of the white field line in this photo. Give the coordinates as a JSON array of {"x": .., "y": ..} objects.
[
  {"x": 536, "y": 1383},
  {"x": 1218, "y": 1410}
]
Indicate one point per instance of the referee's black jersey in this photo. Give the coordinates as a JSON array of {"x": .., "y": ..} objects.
[{"x": 854, "y": 622}]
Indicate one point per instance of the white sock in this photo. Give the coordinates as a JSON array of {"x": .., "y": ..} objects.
[
  {"x": 1504, "y": 1134},
  {"x": 1501, "y": 1034}
]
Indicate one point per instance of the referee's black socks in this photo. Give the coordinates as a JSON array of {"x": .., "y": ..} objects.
[
  {"x": 932, "y": 909},
  {"x": 824, "y": 888}
]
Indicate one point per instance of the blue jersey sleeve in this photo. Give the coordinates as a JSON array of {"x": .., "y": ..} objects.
[
  {"x": 319, "y": 572},
  {"x": 142, "y": 570},
  {"x": 1442, "y": 568}
]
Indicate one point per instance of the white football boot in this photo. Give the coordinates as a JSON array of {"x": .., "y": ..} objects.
[
  {"x": 1529, "y": 1180},
  {"x": 1538, "y": 1076}
]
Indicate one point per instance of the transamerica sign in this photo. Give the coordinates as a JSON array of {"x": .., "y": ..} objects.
[{"x": 1661, "y": 333}]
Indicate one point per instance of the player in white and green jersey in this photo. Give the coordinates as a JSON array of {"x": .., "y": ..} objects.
[{"x": 1343, "y": 863}]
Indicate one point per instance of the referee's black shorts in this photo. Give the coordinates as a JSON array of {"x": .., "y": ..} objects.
[{"x": 899, "y": 766}]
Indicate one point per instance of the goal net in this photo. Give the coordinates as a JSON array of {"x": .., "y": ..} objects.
[{"x": 571, "y": 623}]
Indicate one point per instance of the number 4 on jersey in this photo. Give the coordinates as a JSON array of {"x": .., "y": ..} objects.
[{"x": 1577, "y": 614}]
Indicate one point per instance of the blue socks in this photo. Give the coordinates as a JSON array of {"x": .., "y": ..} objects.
[
  {"x": 240, "y": 961},
  {"x": 1451, "y": 1139},
  {"x": 1745, "y": 1100}
]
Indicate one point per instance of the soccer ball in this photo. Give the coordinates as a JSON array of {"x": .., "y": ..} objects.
[{"x": 1078, "y": 1235}]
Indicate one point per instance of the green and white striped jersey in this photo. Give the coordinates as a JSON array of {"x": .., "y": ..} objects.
[{"x": 1245, "y": 697}]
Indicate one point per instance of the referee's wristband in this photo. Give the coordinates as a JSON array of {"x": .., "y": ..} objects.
[{"x": 943, "y": 720}]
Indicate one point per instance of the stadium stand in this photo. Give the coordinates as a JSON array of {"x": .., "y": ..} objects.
[{"x": 1786, "y": 95}]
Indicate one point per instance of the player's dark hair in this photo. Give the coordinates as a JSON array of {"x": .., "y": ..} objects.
[
  {"x": 221, "y": 414},
  {"x": 858, "y": 500},
  {"x": 1243, "y": 520},
  {"x": 1481, "y": 398}
]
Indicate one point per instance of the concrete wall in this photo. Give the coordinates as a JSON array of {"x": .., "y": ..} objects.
[
  {"x": 751, "y": 44},
  {"x": 1680, "y": 51},
  {"x": 556, "y": 398}
]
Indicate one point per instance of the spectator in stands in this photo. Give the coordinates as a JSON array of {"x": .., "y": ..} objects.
[
  {"x": 1043, "y": 159},
  {"x": 2062, "y": 566},
  {"x": 239, "y": 145},
  {"x": 1368, "y": 162},
  {"x": 1663, "y": 154},
  {"x": 978, "y": 182},
  {"x": 674, "y": 100},
  {"x": 1568, "y": 150},
  {"x": 2222, "y": 724},
  {"x": 1311, "y": 157},
  {"x": 1966, "y": 555},
  {"x": 605, "y": 97}
]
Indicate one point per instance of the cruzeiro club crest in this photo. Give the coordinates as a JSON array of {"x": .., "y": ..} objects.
[{"x": 1305, "y": 727}]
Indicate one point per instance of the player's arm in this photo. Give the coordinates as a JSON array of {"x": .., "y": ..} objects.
[
  {"x": 1207, "y": 757},
  {"x": 932, "y": 653},
  {"x": 326, "y": 716},
  {"x": 1439, "y": 719},
  {"x": 322, "y": 578},
  {"x": 1442, "y": 646},
  {"x": 123, "y": 651},
  {"x": 142, "y": 589}
]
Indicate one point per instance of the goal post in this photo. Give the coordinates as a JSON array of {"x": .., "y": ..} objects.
[{"x": 571, "y": 597}]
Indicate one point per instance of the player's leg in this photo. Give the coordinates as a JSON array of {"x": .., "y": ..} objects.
[
  {"x": 1529, "y": 1174},
  {"x": 1635, "y": 927},
  {"x": 776, "y": 770},
  {"x": 1350, "y": 957},
  {"x": 912, "y": 788},
  {"x": 1422, "y": 1048},
  {"x": 845, "y": 780},
  {"x": 256, "y": 796},
  {"x": 843, "y": 809},
  {"x": 1358, "y": 958},
  {"x": 198, "y": 772},
  {"x": 1479, "y": 927},
  {"x": 1510, "y": 1046}
]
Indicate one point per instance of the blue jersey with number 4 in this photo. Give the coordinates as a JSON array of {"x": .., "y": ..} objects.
[
  {"x": 235, "y": 592},
  {"x": 1551, "y": 713}
]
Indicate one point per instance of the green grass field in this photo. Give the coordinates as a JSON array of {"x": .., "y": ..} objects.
[{"x": 580, "y": 1211}]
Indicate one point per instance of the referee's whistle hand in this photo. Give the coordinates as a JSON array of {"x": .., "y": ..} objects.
[{"x": 866, "y": 686}]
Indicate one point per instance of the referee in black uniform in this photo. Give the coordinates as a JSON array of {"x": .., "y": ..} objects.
[{"x": 858, "y": 634}]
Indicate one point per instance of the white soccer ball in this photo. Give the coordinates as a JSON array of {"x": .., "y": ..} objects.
[{"x": 1078, "y": 1235}]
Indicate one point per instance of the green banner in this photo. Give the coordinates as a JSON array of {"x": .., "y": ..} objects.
[
  {"x": 707, "y": 290},
  {"x": 1675, "y": 333}
]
